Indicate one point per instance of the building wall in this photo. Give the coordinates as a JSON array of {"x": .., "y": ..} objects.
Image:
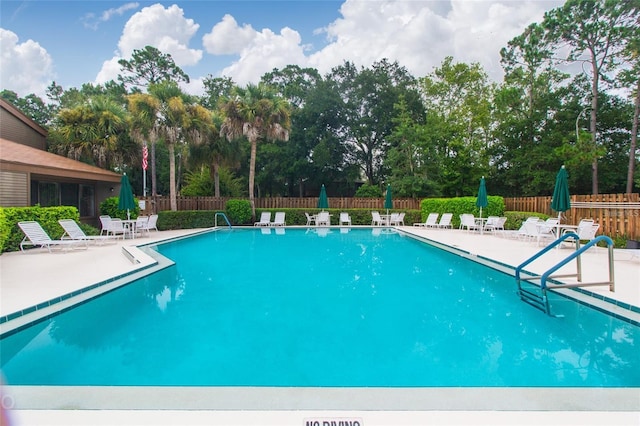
[
  {"x": 14, "y": 129},
  {"x": 14, "y": 189}
]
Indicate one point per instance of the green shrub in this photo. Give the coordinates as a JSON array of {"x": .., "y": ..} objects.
[
  {"x": 369, "y": 191},
  {"x": 110, "y": 207},
  {"x": 460, "y": 205},
  {"x": 47, "y": 217},
  {"x": 185, "y": 219},
  {"x": 5, "y": 229},
  {"x": 239, "y": 211}
]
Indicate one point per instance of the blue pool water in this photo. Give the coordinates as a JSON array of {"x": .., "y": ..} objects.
[{"x": 244, "y": 308}]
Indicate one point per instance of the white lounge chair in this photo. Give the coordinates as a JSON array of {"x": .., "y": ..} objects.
[
  {"x": 345, "y": 219},
  {"x": 376, "y": 219},
  {"x": 265, "y": 219},
  {"x": 521, "y": 233},
  {"x": 37, "y": 237},
  {"x": 431, "y": 222},
  {"x": 323, "y": 219},
  {"x": 279, "y": 219},
  {"x": 495, "y": 223},
  {"x": 445, "y": 221},
  {"x": 586, "y": 230},
  {"x": 72, "y": 231}
]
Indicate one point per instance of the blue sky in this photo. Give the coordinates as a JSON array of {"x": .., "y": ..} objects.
[{"x": 76, "y": 42}]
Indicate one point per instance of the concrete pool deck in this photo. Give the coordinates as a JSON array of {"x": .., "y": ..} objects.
[{"x": 29, "y": 279}]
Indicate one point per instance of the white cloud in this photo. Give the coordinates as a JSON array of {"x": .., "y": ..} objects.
[
  {"x": 163, "y": 28},
  {"x": 26, "y": 67},
  {"x": 416, "y": 34},
  {"x": 259, "y": 51},
  {"x": 91, "y": 21},
  {"x": 227, "y": 38}
]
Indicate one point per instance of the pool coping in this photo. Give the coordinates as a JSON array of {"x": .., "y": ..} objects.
[{"x": 322, "y": 398}]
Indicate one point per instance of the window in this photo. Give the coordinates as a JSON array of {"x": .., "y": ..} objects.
[{"x": 87, "y": 201}]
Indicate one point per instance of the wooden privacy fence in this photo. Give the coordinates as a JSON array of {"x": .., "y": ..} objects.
[
  {"x": 218, "y": 203},
  {"x": 617, "y": 214}
]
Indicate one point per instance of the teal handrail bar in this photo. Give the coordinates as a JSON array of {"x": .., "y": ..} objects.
[
  {"x": 545, "y": 250},
  {"x": 226, "y": 219},
  {"x": 542, "y": 302},
  {"x": 609, "y": 241}
]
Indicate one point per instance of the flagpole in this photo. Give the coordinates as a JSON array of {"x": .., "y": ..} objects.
[{"x": 145, "y": 155}]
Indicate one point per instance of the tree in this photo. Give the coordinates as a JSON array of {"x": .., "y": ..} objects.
[
  {"x": 32, "y": 106},
  {"x": 143, "y": 112},
  {"x": 147, "y": 67},
  {"x": 458, "y": 102},
  {"x": 94, "y": 132},
  {"x": 630, "y": 78},
  {"x": 172, "y": 119},
  {"x": 596, "y": 33},
  {"x": 150, "y": 66},
  {"x": 256, "y": 113},
  {"x": 368, "y": 96},
  {"x": 524, "y": 108}
]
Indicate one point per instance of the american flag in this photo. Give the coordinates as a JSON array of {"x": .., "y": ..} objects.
[{"x": 145, "y": 157}]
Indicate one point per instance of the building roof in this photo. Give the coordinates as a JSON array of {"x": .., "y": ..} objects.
[{"x": 18, "y": 157}]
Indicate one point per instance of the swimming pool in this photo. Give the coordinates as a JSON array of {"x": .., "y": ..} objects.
[{"x": 243, "y": 308}]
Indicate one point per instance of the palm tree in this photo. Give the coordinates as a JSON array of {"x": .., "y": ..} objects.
[
  {"x": 92, "y": 131},
  {"x": 143, "y": 111},
  {"x": 172, "y": 120},
  {"x": 256, "y": 113}
]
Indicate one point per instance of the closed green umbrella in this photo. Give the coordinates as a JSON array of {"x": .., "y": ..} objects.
[
  {"x": 125, "y": 199},
  {"x": 388, "y": 201},
  {"x": 323, "y": 201},
  {"x": 482, "y": 200},
  {"x": 561, "y": 201}
]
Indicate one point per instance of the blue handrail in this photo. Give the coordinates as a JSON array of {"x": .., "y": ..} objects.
[
  {"x": 575, "y": 254},
  {"x": 545, "y": 250},
  {"x": 215, "y": 220},
  {"x": 541, "y": 301}
]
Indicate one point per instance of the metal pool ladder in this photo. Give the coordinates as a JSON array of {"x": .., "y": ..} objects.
[
  {"x": 538, "y": 298},
  {"x": 226, "y": 219}
]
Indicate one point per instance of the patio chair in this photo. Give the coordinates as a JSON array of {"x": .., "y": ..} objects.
[
  {"x": 376, "y": 219},
  {"x": 345, "y": 219},
  {"x": 104, "y": 224},
  {"x": 265, "y": 219},
  {"x": 445, "y": 221},
  {"x": 117, "y": 227},
  {"x": 468, "y": 221},
  {"x": 72, "y": 231},
  {"x": 323, "y": 219},
  {"x": 431, "y": 222},
  {"x": 311, "y": 219},
  {"x": 279, "y": 219},
  {"x": 141, "y": 226},
  {"x": 152, "y": 223},
  {"x": 37, "y": 237},
  {"x": 396, "y": 219}
]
